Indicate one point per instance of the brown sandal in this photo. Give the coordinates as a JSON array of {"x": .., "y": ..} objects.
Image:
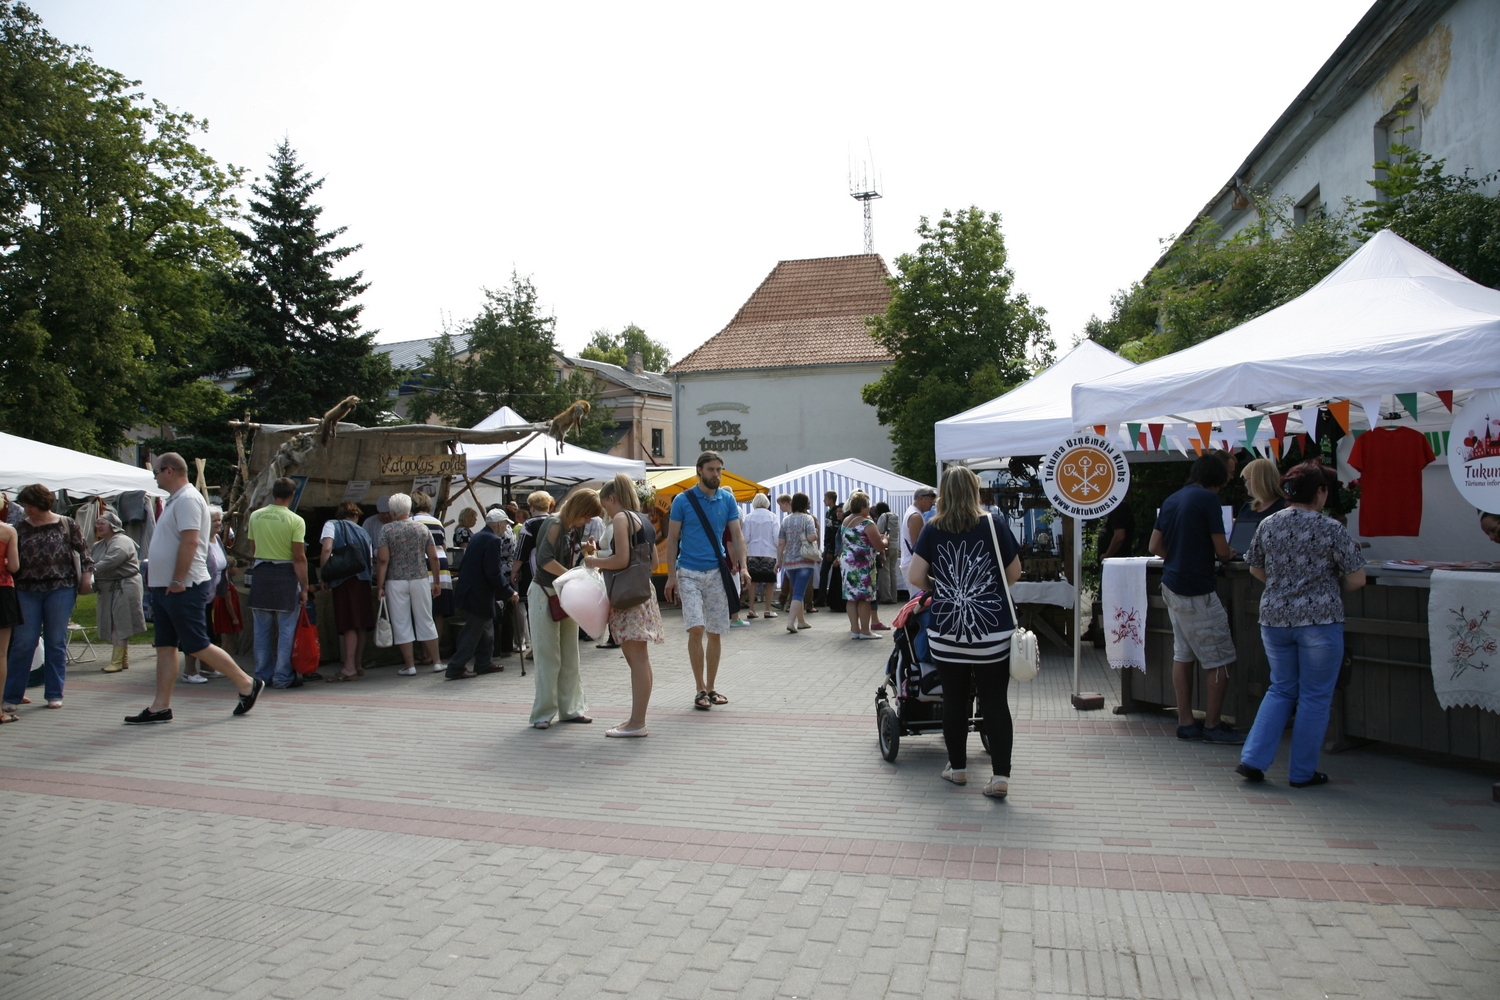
[
  {"x": 703, "y": 701},
  {"x": 342, "y": 678},
  {"x": 717, "y": 698}
]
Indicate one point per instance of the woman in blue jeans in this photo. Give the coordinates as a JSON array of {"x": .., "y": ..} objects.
[
  {"x": 1304, "y": 556},
  {"x": 796, "y": 539}
]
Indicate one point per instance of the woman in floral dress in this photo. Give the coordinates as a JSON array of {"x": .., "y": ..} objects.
[
  {"x": 861, "y": 543},
  {"x": 631, "y": 627}
]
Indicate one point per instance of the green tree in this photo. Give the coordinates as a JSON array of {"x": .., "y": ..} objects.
[
  {"x": 298, "y": 337},
  {"x": 504, "y": 356},
  {"x": 616, "y": 349},
  {"x": 958, "y": 331},
  {"x": 1447, "y": 215},
  {"x": 112, "y": 241}
]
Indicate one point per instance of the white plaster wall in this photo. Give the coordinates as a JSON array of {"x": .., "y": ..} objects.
[
  {"x": 1461, "y": 112},
  {"x": 797, "y": 416}
]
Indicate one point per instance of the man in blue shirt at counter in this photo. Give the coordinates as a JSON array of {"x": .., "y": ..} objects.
[
  {"x": 693, "y": 575},
  {"x": 1189, "y": 534}
]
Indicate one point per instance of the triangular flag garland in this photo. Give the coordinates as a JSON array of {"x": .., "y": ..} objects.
[
  {"x": 1340, "y": 411},
  {"x": 1205, "y": 429},
  {"x": 1252, "y": 425},
  {"x": 1101, "y": 429},
  {"x": 1177, "y": 443},
  {"x": 1446, "y": 395},
  {"x": 1156, "y": 430},
  {"x": 1197, "y": 446},
  {"x": 1408, "y": 400},
  {"x": 1278, "y": 424},
  {"x": 1134, "y": 435}
]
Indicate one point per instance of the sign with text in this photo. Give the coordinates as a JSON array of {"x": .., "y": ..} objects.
[
  {"x": 356, "y": 490},
  {"x": 1085, "y": 476},
  {"x": 1474, "y": 450},
  {"x": 405, "y": 466},
  {"x": 723, "y": 435}
]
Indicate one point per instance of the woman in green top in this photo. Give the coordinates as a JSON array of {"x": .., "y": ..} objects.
[{"x": 554, "y": 644}]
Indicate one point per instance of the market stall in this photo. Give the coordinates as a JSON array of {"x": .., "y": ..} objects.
[
  {"x": 1389, "y": 324},
  {"x": 24, "y": 461},
  {"x": 843, "y": 476}
]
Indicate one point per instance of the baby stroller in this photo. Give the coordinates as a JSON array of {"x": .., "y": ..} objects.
[{"x": 909, "y": 700}]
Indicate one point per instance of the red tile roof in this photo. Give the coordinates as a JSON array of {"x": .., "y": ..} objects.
[{"x": 806, "y": 312}]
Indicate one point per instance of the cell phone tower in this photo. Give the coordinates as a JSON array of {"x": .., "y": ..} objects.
[{"x": 864, "y": 187}]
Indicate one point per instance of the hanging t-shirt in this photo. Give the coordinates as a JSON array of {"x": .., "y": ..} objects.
[
  {"x": 1390, "y": 461},
  {"x": 1328, "y": 433}
]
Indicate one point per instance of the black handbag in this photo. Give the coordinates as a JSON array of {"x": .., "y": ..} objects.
[
  {"x": 631, "y": 586},
  {"x": 345, "y": 561},
  {"x": 731, "y": 591}
]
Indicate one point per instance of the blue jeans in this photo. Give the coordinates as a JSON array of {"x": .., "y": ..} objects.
[
  {"x": 802, "y": 579},
  {"x": 283, "y": 625},
  {"x": 44, "y": 616},
  {"x": 1304, "y": 668}
]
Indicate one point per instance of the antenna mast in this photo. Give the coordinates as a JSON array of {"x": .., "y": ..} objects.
[{"x": 865, "y": 189}]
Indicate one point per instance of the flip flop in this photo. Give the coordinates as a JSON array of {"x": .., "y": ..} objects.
[{"x": 342, "y": 678}]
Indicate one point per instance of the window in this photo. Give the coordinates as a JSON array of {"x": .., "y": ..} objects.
[
  {"x": 1401, "y": 128},
  {"x": 658, "y": 443},
  {"x": 1309, "y": 208}
]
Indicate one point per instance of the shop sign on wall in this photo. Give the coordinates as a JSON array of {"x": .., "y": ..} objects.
[
  {"x": 723, "y": 435},
  {"x": 405, "y": 466},
  {"x": 1085, "y": 476},
  {"x": 1474, "y": 450}
]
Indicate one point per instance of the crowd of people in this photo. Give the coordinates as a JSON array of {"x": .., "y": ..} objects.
[{"x": 390, "y": 574}]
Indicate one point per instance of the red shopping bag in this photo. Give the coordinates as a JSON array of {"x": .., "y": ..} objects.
[
  {"x": 305, "y": 652},
  {"x": 224, "y": 615}
]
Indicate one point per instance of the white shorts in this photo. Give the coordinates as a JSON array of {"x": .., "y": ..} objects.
[
  {"x": 1200, "y": 630},
  {"x": 704, "y": 603},
  {"x": 409, "y": 603}
]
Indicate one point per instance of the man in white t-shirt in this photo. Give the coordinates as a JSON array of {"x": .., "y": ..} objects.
[
  {"x": 912, "y": 521},
  {"x": 180, "y": 593}
]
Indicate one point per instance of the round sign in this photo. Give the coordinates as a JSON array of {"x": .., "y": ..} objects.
[
  {"x": 1474, "y": 450},
  {"x": 1085, "y": 476}
]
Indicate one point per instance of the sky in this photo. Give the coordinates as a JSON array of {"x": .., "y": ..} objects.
[{"x": 650, "y": 163}]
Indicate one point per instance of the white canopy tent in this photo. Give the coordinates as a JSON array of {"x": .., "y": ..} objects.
[
  {"x": 23, "y": 462},
  {"x": 539, "y": 460},
  {"x": 1390, "y": 319},
  {"x": 844, "y": 476}
]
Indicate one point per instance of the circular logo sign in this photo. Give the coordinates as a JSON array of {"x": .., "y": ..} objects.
[
  {"x": 1085, "y": 476},
  {"x": 1474, "y": 450}
]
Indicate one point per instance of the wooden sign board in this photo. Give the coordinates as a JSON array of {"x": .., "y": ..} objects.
[{"x": 411, "y": 466}]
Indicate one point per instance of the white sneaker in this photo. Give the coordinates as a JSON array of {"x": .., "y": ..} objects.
[
  {"x": 438, "y": 668},
  {"x": 207, "y": 673},
  {"x": 408, "y": 672},
  {"x": 194, "y": 679},
  {"x": 957, "y": 777}
]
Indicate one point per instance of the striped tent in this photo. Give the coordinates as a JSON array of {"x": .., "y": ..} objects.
[{"x": 844, "y": 476}]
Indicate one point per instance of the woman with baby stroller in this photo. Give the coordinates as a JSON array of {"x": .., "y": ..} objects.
[{"x": 958, "y": 559}]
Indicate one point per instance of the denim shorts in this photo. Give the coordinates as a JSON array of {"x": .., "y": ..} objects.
[{"x": 181, "y": 620}]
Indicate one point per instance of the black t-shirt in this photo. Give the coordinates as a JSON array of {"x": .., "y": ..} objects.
[
  {"x": 1188, "y": 521},
  {"x": 971, "y": 620},
  {"x": 1328, "y": 433},
  {"x": 1115, "y": 520}
]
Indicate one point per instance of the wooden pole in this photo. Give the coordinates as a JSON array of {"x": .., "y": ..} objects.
[{"x": 469, "y": 481}]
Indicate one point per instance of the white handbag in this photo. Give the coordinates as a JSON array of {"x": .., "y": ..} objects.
[
  {"x": 1025, "y": 654},
  {"x": 384, "y": 638}
]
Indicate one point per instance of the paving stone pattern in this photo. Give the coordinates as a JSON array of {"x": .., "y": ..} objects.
[{"x": 414, "y": 838}]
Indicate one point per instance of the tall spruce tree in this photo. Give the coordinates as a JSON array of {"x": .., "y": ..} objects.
[{"x": 299, "y": 336}]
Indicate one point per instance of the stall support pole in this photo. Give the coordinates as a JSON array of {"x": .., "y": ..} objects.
[{"x": 1083, "y": 700}]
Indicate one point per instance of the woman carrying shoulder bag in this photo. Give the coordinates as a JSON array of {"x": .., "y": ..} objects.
[
  {"x": 956, "y": 559},
  {"x": 640, "y": 623}
]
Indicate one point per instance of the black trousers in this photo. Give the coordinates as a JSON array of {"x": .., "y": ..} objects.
[
  {"x": 505, "y": 629},
  {"x": 476, "y": 641},
  {"x": 991, "y": 681}
]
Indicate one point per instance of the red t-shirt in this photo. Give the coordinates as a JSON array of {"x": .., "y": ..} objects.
[{"x": 1390, "y": 461}]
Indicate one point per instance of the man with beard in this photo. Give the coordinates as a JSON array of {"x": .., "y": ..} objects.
[{"x": 698, "y": 520}]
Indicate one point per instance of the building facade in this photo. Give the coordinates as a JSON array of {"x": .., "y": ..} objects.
[
  {"x": 1420, "y": 73},
  {"x": 640, "y": 406},
  {"x": 779, "y": 387}
]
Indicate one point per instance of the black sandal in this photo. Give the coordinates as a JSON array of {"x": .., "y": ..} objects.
[
  {"x": 703, "y": 701},
  {"x": 717, "y": 698}
]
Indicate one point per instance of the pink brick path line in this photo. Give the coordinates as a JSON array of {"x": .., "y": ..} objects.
[{"x": 1381, "y": 884}]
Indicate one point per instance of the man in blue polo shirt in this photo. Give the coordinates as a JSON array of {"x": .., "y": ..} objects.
[
  {"x": 693, "y": 576},
  {"x": 1189, "y": 536}
]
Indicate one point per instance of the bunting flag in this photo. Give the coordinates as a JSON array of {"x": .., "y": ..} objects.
[
  {"x": 1408, "y": 401},
  {"x": 1276, "y": 448},
  {"x": 1177, "y": 443},
  {"x": 1278, "y": 424},
  {"x": 1252, "y": 425},
  {"x": 1307, "y": 444},
  {"x": 1446, "y": 395},
  {"x": 1371, "y": 406},
  {"x": 1135, "y": 435},
  {"x": 1101, "y": 429},
  {"x": 1205, "y": 432},
  {"x": 1340, "y": 411},
  {"x": 1197, "y": 446},
  {"x": 1156, "y": 432}
]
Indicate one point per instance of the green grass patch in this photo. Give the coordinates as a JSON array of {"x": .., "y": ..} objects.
[{"x": 86, "y": 613}]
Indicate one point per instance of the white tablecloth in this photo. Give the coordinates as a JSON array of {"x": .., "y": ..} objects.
[{"x": 1056, "y": 592}]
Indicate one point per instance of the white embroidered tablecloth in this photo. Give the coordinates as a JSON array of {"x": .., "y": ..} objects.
[
  {"x": 1123, "y": 595},
  {"x": 1463, "y": 624}
]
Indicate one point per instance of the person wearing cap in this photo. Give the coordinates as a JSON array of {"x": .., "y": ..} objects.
[
  {"x": 483, "y": 577},
  {"x": 917, "y": 515},
  {"x": 378, "y": 520},
  {"x": 117, "y": 578}
]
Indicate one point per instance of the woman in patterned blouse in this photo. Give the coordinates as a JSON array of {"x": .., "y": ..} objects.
[{"x": 1304, "y": 556}]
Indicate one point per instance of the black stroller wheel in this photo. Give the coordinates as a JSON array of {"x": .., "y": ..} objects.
[{"x": 888, "y": 726}]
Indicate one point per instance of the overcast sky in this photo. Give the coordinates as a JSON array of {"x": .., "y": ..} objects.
[{"x": 651, "y": 163}]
